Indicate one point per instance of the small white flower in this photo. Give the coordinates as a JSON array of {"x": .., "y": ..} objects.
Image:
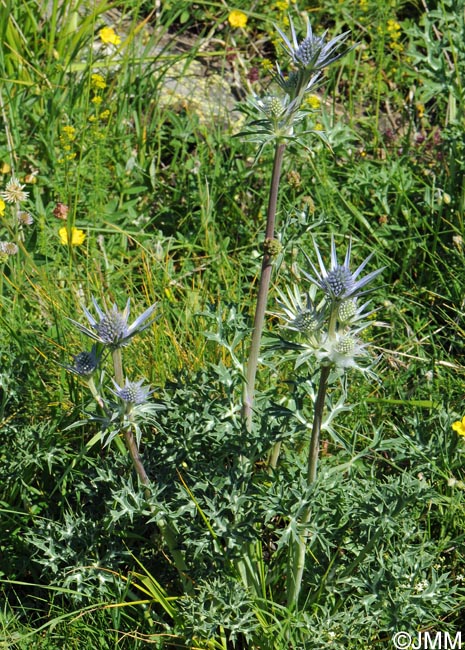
[
  {"x": 14, "y": 191},
  {"x": 8, "y": 247},
  {"x": 25, "y": 219},
  {"x": 421, "y": 586}
]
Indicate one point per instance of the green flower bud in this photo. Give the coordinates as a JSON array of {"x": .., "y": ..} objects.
[
  {"x": 346, "y": 345},
  {"x": 272, "y": 247},
  {"x": 346, "y": 311},
  {"x": 306, "y": 322}
]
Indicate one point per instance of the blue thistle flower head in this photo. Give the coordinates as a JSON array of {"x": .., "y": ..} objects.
[
  {"x": 111, "y": 328},
  {"x": 132, "y": 393},
  {"x": 85, "y": 363},
  {"x": 339, "y": 283},
  {"x": 312, "y": 53}
]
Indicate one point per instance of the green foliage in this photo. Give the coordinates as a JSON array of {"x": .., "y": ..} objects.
[{"x": 170, "y": 204}]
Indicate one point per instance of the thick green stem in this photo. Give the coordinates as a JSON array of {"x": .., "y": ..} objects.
[
  {"x": 274, "y": 455},
  {"x": 118, "y": 366},
  {"x": 298, "y": 549},
  {"x": 264, "y": 285},
  {"x": 95, "y": 394}
]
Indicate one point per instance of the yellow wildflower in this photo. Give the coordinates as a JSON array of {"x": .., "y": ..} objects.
[
  {"x": 393, "y": 29},
  {"x": 459, "y": 427},
  {"x": 109, "y": 36},
  {"x": 97, "y": 100},
  {"x": 77, "y": 236},
  {"x": 2, "y": 207},
  {"x": 267, "y": 65},
  {"x": 97, "y": 82},
  {"x": 68, "y": 134},
  {"x": 313, "y": 102},
  {"x": 237, "y": 18},
  {"x": 104, "y": 115}
]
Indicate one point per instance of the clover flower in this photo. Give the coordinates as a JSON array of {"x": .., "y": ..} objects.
[
  {"x": 111, "y": 328},
  {"x": 24, "y": 218},
  {"x": 133, "y": 392},
  {"x": 312, "y": 53},
  {"x": 339, "y": 283},
  {"x": 60, "y": 211},
  {"x": 8, "y": 248},
  {"x": 85, "y": 363},
  {"x": 14, "y": 191}
]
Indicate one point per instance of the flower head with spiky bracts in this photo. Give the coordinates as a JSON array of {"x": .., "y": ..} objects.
[
  {"x": 339, "y": 283},
  {"x": 310, "y": 56},
  {"x": 296, "y": 82},
  {"x": 299, "y": 312},
  {"x": 85, "y": 363},
  {"x": 312, "y": 53},
  {"x": 111, "y": 328},
  {"x": 132, "y": 393},
  {"x": 343, "y": 350}
]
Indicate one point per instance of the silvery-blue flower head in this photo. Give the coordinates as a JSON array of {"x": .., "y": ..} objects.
[
  {"x": 133, "y": 392},
  {"x": 312, "y": 53},
  {"x": 111, "y": 327},
  {"x": 339, "y": 283}
]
